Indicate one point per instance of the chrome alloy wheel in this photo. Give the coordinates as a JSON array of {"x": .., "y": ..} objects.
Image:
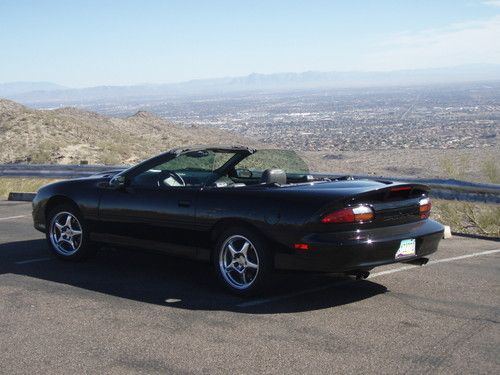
[
  {"x": 239, "y": 262},
  {"x": 65, "y": 233}
]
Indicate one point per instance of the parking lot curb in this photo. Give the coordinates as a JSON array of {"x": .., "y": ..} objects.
[
  {"x": 21, "y": 196},
  {"x": 447, "y": 232}
]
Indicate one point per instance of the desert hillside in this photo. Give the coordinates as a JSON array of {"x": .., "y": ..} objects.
[{"x": 69, "y": 135}]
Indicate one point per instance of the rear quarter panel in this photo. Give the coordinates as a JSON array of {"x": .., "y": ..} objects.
[{"x": 279, "y": 214}]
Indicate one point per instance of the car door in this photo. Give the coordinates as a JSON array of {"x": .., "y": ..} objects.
[
  {"x": 159, "y": 218},
  {"x": 154, "y": 208}
]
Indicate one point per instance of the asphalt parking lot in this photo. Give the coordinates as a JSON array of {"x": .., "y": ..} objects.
[{"x": 125, "y": 311}]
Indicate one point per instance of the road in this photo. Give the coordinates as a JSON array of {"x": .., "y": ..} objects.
[{"x": 126, "y": 311}]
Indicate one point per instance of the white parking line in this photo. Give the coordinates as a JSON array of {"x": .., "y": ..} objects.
[
  {"x": 399, "y": 269},
  {"x": 12, "y": 217},
  {"x": 465, "y": 256},
  {"x": 34, "y": 260},
  {"x": 373, "y": 275}
]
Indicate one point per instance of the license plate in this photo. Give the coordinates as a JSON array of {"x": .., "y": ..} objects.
[{"x": 406, "y": 249}]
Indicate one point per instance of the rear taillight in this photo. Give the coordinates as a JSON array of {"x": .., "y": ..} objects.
[
  {"x": 349, "y": 215},
  {"x": 301, "y": 246},
  {"x": 424, "y": 208}
]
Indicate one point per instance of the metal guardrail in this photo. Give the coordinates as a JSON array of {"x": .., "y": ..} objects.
[
  {"x": 441, "y": 188},
  {"x": 54, "y": 170}
]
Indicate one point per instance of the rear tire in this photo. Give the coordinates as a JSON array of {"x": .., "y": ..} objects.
[
  {"x": 67, "y": 234},
  {"x": 242, "y": 261}
]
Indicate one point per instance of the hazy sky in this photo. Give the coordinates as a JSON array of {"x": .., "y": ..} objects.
[{"x": 83, "y": 43}]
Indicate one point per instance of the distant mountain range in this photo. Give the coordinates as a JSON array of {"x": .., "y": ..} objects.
[
  {"x": 32, "y": 92},
  {"x": 16, "y": 88}
]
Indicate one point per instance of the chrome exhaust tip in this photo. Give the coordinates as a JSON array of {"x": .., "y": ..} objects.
[{"x": 359, "y": 274}]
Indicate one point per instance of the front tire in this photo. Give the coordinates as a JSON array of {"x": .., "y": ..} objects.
[
  {"x": 67, "y": 234},
  {"x": 242, "y": 261}
]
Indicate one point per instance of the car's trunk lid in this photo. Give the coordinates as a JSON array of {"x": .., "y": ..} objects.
[{"x": 393, "y": 203}]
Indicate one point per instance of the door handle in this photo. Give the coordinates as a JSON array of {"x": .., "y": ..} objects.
[{"x": 184, "y": 203}]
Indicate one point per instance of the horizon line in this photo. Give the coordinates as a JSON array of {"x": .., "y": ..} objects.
[{"x": 249, "y": 75}]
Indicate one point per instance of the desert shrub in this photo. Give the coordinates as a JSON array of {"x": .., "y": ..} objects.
[
  {"x": 43, "y": 152},
  {"x": 467, "y": 217}
]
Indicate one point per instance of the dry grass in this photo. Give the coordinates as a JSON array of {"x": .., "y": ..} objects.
[
  {"x": 470, "y": 218},
  {"x": 490, "y": 171},
  {"x": 485, "y": 167},
  {"x": 8, "y": 184}
]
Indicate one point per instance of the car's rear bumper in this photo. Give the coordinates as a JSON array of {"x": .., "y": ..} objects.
[{"x": 361, "y": 250}]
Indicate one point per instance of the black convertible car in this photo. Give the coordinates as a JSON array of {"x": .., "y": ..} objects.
[{"x": 249, "y": 212}]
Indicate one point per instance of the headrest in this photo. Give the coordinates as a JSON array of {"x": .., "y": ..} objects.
[{"x": 273, "y": 176}]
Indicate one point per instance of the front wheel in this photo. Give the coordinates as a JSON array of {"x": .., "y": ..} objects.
[
  {"x": 67, "y": 235},
  {"x": 242, "y": 262}
]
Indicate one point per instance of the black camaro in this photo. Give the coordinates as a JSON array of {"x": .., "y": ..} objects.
[{"x": 248, "y": 212}]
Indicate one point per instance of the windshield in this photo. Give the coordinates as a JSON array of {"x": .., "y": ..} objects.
[{"x": 189, "y": 169}]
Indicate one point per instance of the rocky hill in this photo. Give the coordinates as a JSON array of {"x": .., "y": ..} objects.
[{"x": 69, "y": 135}]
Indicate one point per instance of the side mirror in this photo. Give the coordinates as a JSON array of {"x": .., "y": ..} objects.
[
  {"x": 244, "y": 173},
  {"x": 117, "y": 182}
]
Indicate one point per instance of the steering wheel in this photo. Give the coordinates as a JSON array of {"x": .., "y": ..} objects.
[{"x": 170, "y": 178}]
